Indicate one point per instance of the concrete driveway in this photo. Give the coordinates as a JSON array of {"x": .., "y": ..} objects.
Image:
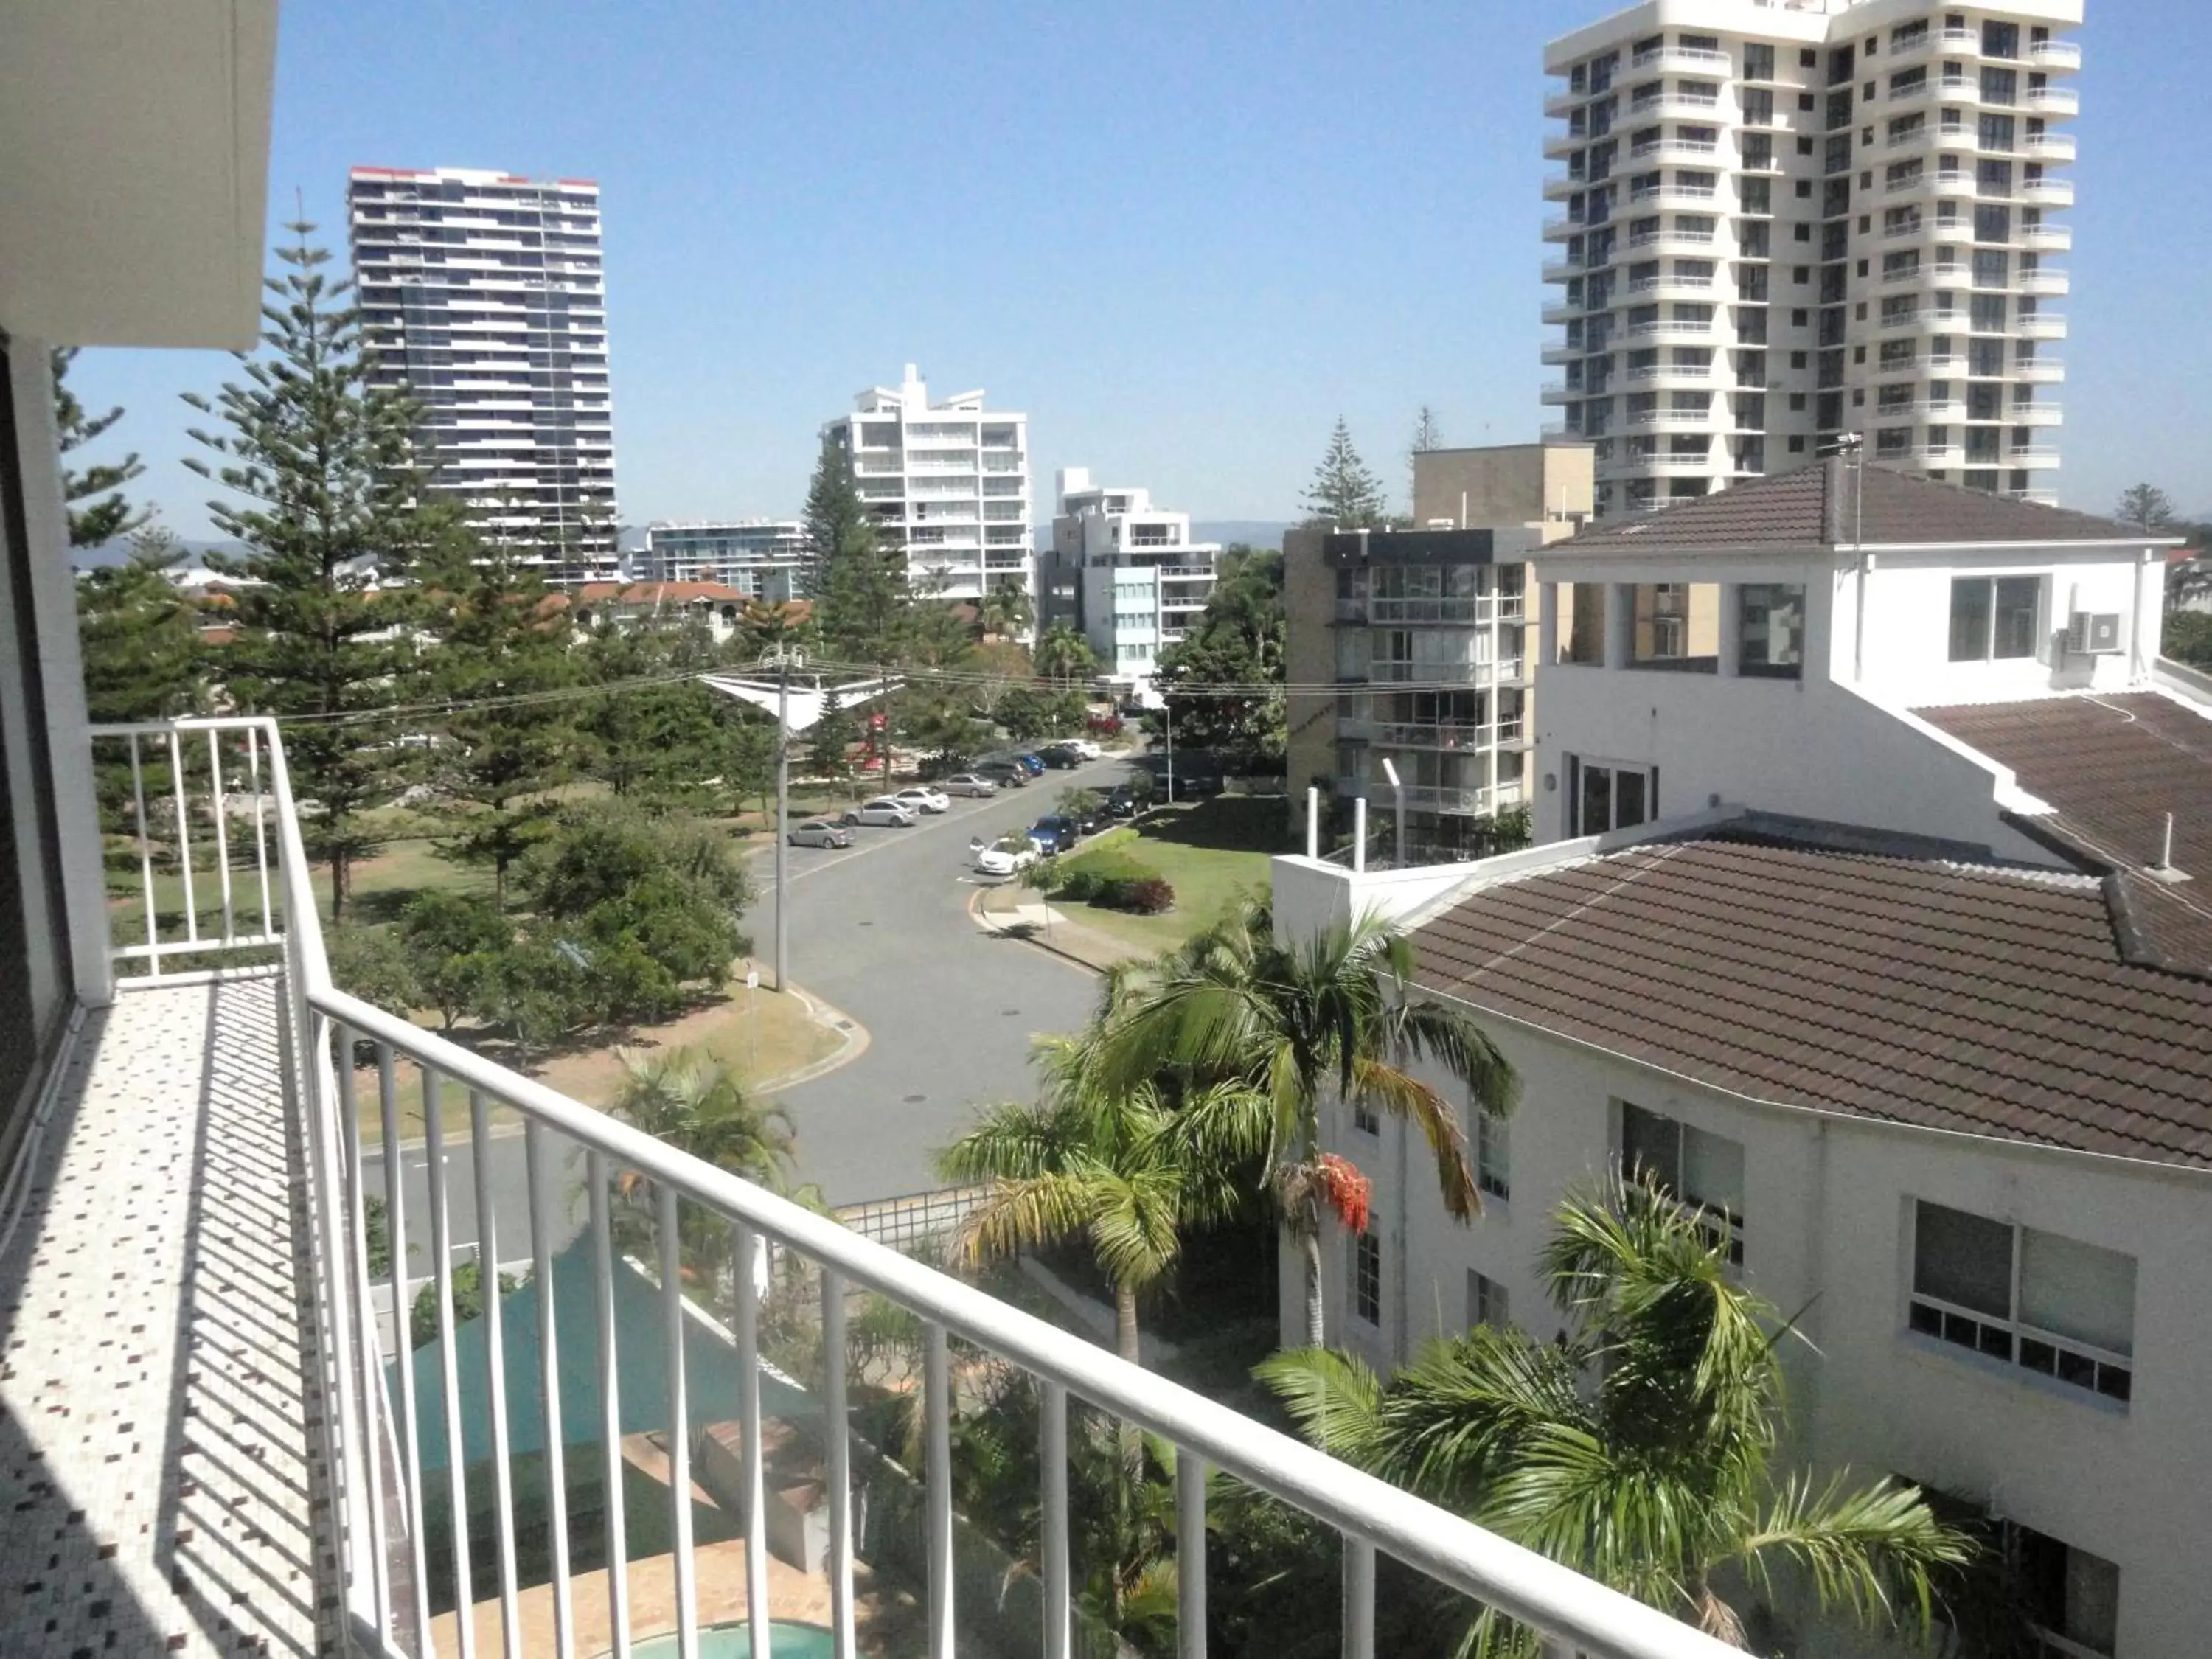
[{"x": 882, "y": 930}]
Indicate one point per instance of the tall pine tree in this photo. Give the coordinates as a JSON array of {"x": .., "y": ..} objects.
[
  {"x": 139, "y": 635},
  {"x": 1344, "y": 492},
  {"x": 325, "y": 495},
  {"x": 111, "y": 516},
  {"x": 861, "y": 596},
  {"x": 502, "y": 645}
]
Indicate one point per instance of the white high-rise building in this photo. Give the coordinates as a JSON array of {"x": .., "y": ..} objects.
[
  {"x": 948, "y": 482},
  {"x": 1125, "y": 574},
  {"x": 760, "y": 558},
  {"x": 482, "y": 294},
  {"x": 1781, "y": 220}
]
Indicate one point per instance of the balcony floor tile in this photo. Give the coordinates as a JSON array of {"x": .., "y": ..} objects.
[{"x": 156, "y": 1482}]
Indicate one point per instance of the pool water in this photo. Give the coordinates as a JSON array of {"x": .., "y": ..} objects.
[{"x": 734, "y": 1641}]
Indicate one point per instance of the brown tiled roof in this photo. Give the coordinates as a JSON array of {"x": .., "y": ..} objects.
[
  {"x": 1976, "y": 1000},
  {"x": 1817, "y": 507},
  {"x": 2113, "y": 767}
]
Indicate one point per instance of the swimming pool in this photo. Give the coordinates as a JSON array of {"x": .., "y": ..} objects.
[{"x": 734, "y": 1641}]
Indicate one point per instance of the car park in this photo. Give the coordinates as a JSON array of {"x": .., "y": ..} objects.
[
  {"x": 819, "y": 832},
  {"x": 1034, "y": 761},
  {"x": 924, "y": 799},
  {"x": 1005, "y": 856},
  {"x": 1061, "y": 756},
  {"x": 885, "y": 810},
  {"x": 1005, "y": 775},
  {"x": 970, "y": 783},
  {"x": 1082, "y": 746}
]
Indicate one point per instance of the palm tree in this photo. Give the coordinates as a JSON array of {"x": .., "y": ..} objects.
[
  {"x": 1116, "y": 1167},
  {"x": 1638, "y": 1448},
  {"x": 1006, "y": 610},
  {"x": 696, "y": 1103},
  {"x": 1064, "y": 655},
  {"x": 1293, "y": 1023}
]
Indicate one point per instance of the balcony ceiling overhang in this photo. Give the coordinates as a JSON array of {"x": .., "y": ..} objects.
[{"x": 134, "y": 163}]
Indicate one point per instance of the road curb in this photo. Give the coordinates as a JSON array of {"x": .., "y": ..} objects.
[{"x": 986, "y": 925}]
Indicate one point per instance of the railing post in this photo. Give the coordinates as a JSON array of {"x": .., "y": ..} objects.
[
  {"x": 937, "y": 1390},
  {"x": 1358, "y": 1598},
  {"x": 442, "y": 1280},
  {"x": 837, "y": 1440},
  {"x": 748, "y": 1429},
  {"x": 1052, "y": 1452},
  {"x": 595, "y": 1178},
  {"x": 494, "y": 1326},
  {"x": 1190, "y": 1554},
  {"x": 410, "y": 1444},
  {"x": 549, "y": 1387},
  {"x": 679, "y": 1423},
  {"x": 364, "y": 1337}
]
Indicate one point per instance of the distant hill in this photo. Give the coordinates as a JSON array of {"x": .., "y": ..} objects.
[
  {"x": 1255, "y": 533},
  {"x": 115, "y": 552}
]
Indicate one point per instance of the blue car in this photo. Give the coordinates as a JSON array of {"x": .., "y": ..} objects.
[
  {"x": 1055, "y": 834},
  {"x": 1035, "y": 763}
]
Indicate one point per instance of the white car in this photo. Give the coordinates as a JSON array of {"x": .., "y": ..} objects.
[
  {"x": 970, "y": 783},
  {"x": 884, "y": 810},
  {"x": 1082, "y": 746},
  {"x": 1005, "y": 856},
  {"x": 925, "y": 800}
]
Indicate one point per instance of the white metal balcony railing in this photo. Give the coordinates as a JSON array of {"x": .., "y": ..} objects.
[
  {"x": 377, "y": 1483},
  {"x": 1443, "y": 673},
  {"x": 1448, "y": 737},
  {"x": 1464, "y": 610}
]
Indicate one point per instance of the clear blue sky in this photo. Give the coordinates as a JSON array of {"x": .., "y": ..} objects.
[{"x": 1183, "y": 239}]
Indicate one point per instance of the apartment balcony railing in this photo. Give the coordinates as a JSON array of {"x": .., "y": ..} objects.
[
  {"x": 2049, "y": 283},
  {"x": 2044, "y": 371},
  {"x": 1959, "y": 90},
  {"x": 1465, "y": 611},
  {"x": 1663, "y": 239},
  {"x": 236, "y": 822},
  {"x": 1689, "y": 60},
  {"x": 1557, "y": 270},
  {"x": 1443, "y": 673},
  {"x": 1692, "y": 196},
  {"x": 2039, "y": 414},
  {"x": 1674, "y": 105},
  {"x": 2048, "y": 238},
  {"x": 2051, "y": 147},
  {"x": 1666, "y": 419},
  {"x": 1683, "y": 374},
  {"x": 1478, "y": 802},
  {"x": 2048, "y": 193},
  {"x": 2061, "y": 55},
  {"x": 2058, "y": 101},
  {"x": 1667, "y": 329},
  {"x": 1560, "y": 102},
  {"x": 1558, "y": 226},
  {"x": 2044, "y": 326},
  {"x": 1446, "y": 737}
]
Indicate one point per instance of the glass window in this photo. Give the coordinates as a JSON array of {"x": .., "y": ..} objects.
[
  {"x": 1676, "y": 625},
  {"x": 1703, "y": 1170},
  {"x": 1771, "y": 629},
  {"x": 2070, "y": 1594},
  {"x": 1758, "y": 63},
  {"x": 1971, "y": 599},
  {"x": 1485, "y": 1302},
  {"x": 1603, "y": 796},
  {"x": 1367, "y": 1277},
  {"x": 1494, "y": 1157},
  {"x": 2018, "y": 599}
]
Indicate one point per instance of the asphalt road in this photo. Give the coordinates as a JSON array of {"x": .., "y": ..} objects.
[{"x": 881, "y": 931}]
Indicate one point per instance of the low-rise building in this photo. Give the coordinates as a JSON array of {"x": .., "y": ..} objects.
[
  {"x": 1128, "y": 575},
  {"x": 1418, "y": 636},
  {"x": 1859, "y": 924},
  {"x": 761, "y": 558}
]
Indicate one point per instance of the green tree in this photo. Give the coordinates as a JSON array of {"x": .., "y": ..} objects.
[
  {"x": 653, "y": 734},
  {"x": 1065, "y": 655},
  {"x": 1640, "y": 1447},
  {"x": 139, "y": 635},
  {"x": 2188, "y": 638},
  {"x": 1116, "y": 1166},
  {"x": 502, "y": 657},
  {"x": 1428, "y": 435},
  {"x": 1344, "y": 493},
  {"x": 859, "y": 589},
  {"x": 1006, "y": 611},
  {"x": 456, "y": 943},
  {"x": 1221, "y": 682},
  {"x": 468, "y": 1302},
  {"x": 2146, "y": 507},
  {"x": 325, "y": 495},
  {"x": 830, "y": 740},
  {"x": 1300, "y": 1024},
  {"x": 111, "y": 515},
  {"x": 375, "y": 964}
]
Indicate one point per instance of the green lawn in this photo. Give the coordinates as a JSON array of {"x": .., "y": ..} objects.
[{"x": 1212, "y": 853}]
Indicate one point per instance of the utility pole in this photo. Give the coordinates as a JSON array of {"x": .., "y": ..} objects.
[
  {"x": 1168, "y": 707},
  {"x": 782, "y": 811}
]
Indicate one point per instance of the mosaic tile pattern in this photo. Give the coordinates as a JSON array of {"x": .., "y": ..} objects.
[{"x": 157, "y": 1490}]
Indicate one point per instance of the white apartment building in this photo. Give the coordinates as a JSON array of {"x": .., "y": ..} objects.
[
  {"x": 760, "y": 558},
  {"x": 482, "y": 294},
  {"x": 1128, "y": 575},
  {"x": 947, "y": 482},
  {"x": 1858, "y": 925},
  {"x": 1779, "y": 221}
]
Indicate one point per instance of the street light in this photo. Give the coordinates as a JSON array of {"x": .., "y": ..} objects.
[{"x": 1398, "y": 791}]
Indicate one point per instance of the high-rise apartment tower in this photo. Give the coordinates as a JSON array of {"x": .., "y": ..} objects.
[
  {"x": 946, "y": 482},
  {"x": 1780, "y": 221},
  {"x": 481, "y": 293}
]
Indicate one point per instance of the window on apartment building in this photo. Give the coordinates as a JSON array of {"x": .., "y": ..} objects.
[
  {"x": 1365, "y": 1119},
  {"x": 1993, "y": 618},
  {"x": 1758, "y": 62},
  {"x": 2050, "y": 1305},
  {"x": 1704, "y": 1171},
  {"x": 1367, "y": 1277},
  {"x": 1486, "y": 1302},
  {"x": 1493, "y": 1154},
  {"x": 1607, "y": 795},
  {"x": 1770, "y": 630},
  {"x": 1675, "y": 625},
  {"x": 1579, "y": 608}
]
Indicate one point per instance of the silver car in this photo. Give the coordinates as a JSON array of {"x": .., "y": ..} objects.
[
  {"x": 820, "y": 832},
  {"x": 969, "y": 783},
  {"x": 884, "y": 810}
]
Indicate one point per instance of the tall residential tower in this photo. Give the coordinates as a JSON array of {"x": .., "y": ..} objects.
[
  {"x": 1126, "y": 574},
  {"x": 947, "y": 483},
  {"x": 482, "y": 294},
  {"x": 1782, "y": 221}
]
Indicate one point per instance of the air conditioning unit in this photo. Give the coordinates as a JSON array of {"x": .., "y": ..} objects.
[{"x": 2093, "y": 634}]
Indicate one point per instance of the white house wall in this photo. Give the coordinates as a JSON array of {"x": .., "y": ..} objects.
[{"x": 1826, "y": 1207}]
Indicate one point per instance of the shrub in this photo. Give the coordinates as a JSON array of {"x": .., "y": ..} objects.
[
  {"x": 1147, "y": 895},
  {"x": 1087, "y": 878}
]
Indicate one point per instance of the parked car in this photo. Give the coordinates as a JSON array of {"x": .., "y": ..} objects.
[
  {"x": 1006, "y": 775},
  {"x": 1006, "y": 856},
  {"x": 1082, "y": 746},
  {"x": 819, "y": 832},
  {"x": 887, "y": 810},
  {"x": 925, "y": 799},
  {"x": 1122, "y": 803},
  {"x": 1034, "y": 761},
  {"x": 970, "y": 783},
  {"x": 1061, "y": 756},
  {"x": 1055, "y": 832}
]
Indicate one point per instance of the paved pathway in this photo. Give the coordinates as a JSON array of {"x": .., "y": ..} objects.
[{"x": 155, "y": 1470}]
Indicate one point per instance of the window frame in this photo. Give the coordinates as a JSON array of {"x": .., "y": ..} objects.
[
  {"x": 1488, "y": 1302},
  {"x": 1953, "y": 1325},
  {"x": 1715, "y": 1221},
  {"x": 1493, "y": 1156},
  {"x": 1993, "y": 616},
  {"x": 1366, "y": 1297},
  {"x": 1579, "y": 765}
]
